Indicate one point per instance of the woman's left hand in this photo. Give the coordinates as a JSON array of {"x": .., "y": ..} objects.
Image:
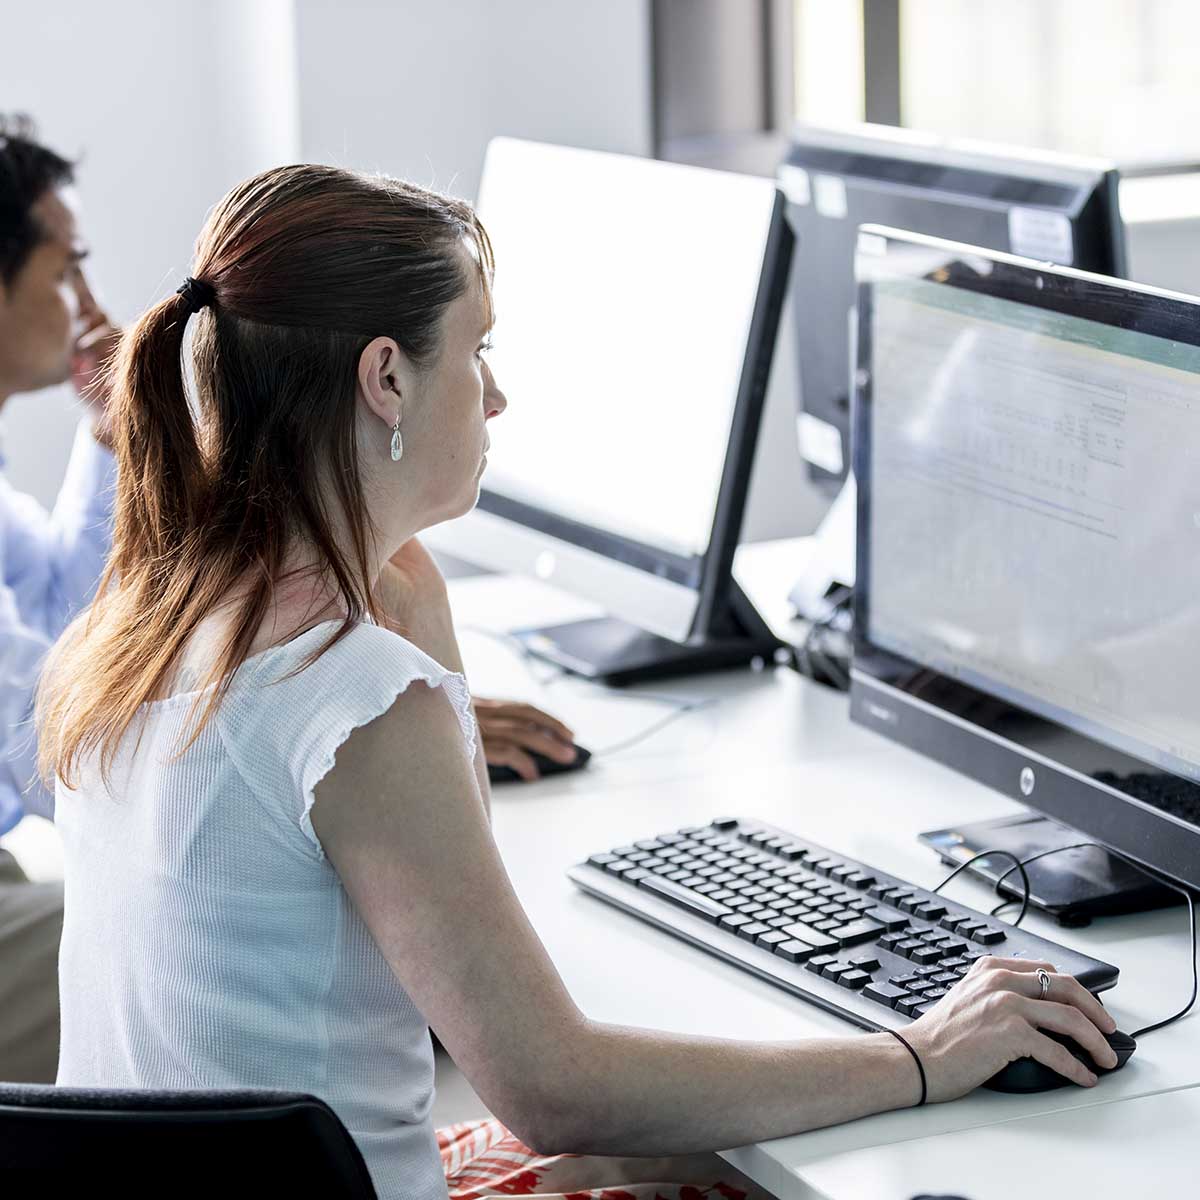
[{"x": 510, "y": 730}]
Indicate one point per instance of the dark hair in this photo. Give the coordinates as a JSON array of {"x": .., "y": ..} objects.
[
  {"x": 27, "y": 171},
  {"x": 304, "y": 266}
]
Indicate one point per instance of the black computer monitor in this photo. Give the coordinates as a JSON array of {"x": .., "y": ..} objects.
[
  {"x": 1044, "y": 206},
  {"x": 1027, "y": 451},
  {"x": 637, "y": 304}
]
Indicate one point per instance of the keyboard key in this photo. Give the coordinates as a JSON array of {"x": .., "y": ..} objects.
[
  {"x": 903, "y": 981},
  {"x": 750, "y": 932},
  {"x": 909, "y": 1005},
  {"x": 885, "y": 993},
  {"x": 702, "y": 906},
  {"x": 989, "y": 936},
  {"x": 946, "y": 979},
  {"x": 765, "y": 914},
  {"x": 634, "y": 875},
  {"x": 824, "y": 924},
  {"x": 619, "y": 867},
  {"x": 952, "y": 945},
  {"x": 602, "y": 860},
  {"x": 725, "y": 823},
  {"x": 814, "y": 937},
  {"x": 955, "y": 964},
  {"x": 889, "y": 941},
  {"x": 856, "y": 932},
  {"x": 925, "y": 972},
  {"x": 865, "y": 962},
  {"x": 841, "y": 874},
  {"x": 795, "y": 951},
  {"x": 934, "y": 994},
  {"x": 835, "y": 970},
  {"x": 734, "y": 921},
  {"x": 792, "y": 852},
  {"x": 650, "y": 844},
  {"x": 779, "y": 922},
  {"x": 972, "y": 955},
  {"x": 953, "y": 920},
  {"x": 722, "y": 894},
  {"x": 907, "y": 946},
  {"x": 967, "y": 928},
  {"x": 859, "y": 880},
  {"x": 819, "y": 962},
  {"x": 926, "y": 954},
  {"x": 853, "y": 978},
  {"x": 930, "y": 910},
  {"x": 771, "y": 939},
  {"x": 891, "y": 921}
]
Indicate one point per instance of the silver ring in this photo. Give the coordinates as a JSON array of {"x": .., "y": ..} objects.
[{"x": 1044, "y": 979}]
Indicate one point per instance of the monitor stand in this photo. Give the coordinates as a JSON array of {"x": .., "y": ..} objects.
[
  {"x": 1073, "y": 887},
  {"x": 612, "y": 651}
]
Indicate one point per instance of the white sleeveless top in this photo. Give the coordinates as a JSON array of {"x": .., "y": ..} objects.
[{"x": 207, "y": 941}]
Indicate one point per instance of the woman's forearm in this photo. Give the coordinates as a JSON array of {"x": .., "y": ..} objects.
[{"x": 637, "y": 1093}]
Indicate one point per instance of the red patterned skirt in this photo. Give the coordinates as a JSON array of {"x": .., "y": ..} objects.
[{"x": 482, "y": 1159}]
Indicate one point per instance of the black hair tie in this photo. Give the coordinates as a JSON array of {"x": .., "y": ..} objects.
[{"x": 196, "y": 293}]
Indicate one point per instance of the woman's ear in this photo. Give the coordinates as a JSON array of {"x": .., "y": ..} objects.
[{"x": 382, "y": 369}]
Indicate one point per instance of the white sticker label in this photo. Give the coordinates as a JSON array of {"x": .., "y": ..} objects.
[
  {"x": 820, "y": 443},
  {"x": 829, "y": 195},
  {"x": 1041, "y": 234},
  {"x": 794, "y": 181}
]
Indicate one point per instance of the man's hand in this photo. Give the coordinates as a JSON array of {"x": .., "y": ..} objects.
[
  {"x": 94, "y": 349},
  {"x": 511, "y": 730}
]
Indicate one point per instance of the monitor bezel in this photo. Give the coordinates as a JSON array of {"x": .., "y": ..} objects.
[{"x": 884, "y": 684}]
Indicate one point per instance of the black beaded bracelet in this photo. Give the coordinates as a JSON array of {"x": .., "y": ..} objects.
[{"x": 917, "y": 1060}]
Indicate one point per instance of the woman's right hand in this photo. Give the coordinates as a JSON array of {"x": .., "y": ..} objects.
[{"x": 992, "y": 1017}]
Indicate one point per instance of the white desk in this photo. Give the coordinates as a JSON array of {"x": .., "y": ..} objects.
[{"x": 782, "y": 749}]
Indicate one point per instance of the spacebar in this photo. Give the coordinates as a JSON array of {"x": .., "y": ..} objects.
[{"x": 685, "y": 898}]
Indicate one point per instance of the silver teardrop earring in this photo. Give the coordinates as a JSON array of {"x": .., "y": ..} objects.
[{"x": 397, "y": 441}]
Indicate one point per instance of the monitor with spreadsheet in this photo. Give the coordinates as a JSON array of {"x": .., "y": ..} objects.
[{"x": 1028, "y": 463}]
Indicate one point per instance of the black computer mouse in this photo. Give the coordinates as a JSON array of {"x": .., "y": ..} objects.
[
  {"x": 545, "y": 766},
  {"x": 1029, "y": 1075}
]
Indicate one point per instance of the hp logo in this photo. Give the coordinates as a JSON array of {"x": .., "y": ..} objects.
[{"x": 1028, "y": 781}]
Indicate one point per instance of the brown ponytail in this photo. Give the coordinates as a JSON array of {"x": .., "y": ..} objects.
[{"x": 305, "y": 265}]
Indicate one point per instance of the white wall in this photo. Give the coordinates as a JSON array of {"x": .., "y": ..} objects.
[
  {"x": 168, "y": 103},
  {"x": 418, "y": 89}
]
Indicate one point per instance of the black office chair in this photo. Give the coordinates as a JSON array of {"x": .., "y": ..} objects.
[{"x": 157, "y": 1140}]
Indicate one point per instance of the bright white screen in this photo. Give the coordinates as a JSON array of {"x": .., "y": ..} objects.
[{"x": 624, "y": 293}]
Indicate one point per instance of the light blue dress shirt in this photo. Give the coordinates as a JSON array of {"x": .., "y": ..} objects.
[{"x": 50, "y": 564}]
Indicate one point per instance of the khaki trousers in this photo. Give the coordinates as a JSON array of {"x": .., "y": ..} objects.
[{"x": 31, "y": 916}]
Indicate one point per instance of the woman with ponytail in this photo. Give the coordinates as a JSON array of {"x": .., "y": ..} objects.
[{"x": 272, "y": 800}]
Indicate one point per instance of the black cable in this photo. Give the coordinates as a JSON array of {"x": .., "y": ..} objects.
[
  {"x": 1020, "y": 866},
  {"x": 1158, "y": 877},
  {"x": 1151, "y": 872}
]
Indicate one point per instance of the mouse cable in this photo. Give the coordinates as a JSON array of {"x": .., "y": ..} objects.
[
  {"x": 683, "y": 710},
  {"x": 1019, "y": 866},
  {"x": 681, "y": 705},
  {"x": 1151, "y": 872},
  {"x": 1158, "y": 877}
]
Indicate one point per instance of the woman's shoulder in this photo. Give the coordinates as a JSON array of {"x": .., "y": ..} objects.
[{"x": 289, "y": 709}]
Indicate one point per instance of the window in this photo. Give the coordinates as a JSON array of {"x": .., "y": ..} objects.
[{"x": 1114, "y": 78}]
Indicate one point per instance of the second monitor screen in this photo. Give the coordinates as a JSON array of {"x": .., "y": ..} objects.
[{"x": 624, "y": 295}]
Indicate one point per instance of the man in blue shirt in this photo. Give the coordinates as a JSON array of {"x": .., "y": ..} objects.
[{"x": 51, "y": 330}]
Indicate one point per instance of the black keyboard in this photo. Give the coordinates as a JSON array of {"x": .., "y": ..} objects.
[{"x": 856, "y": 941}]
